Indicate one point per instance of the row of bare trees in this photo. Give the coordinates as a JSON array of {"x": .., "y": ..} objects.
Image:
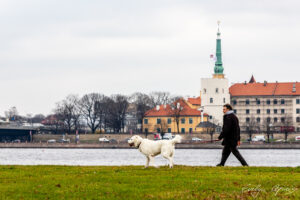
[
  {"x": 106, "y": 113},
  {"x": 252, "y": 127},
  {"x": 99, "y": 112}
]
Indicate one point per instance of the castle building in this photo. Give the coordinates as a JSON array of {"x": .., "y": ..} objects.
[
  {"x": 215, "y": 90},
  {"x": 264, "y": 106}
]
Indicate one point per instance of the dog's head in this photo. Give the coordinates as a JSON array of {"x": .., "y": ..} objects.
[{"x": 135, "y": 141}]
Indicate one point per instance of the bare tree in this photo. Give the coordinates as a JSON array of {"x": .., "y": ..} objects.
[
  {"x": 73, "y": 102},
  {"x": 251, "y": 127},
  {"x": 12, "y": 113},
  {"x": 118, "y": 110},
  {"x": 68, "y": 109},
  {"x": 162, "y": 126},
  {"x": 159, "y": 98},
  {"x": 87, "y": 105},
  {"x": 177, "y": 108},
  {"x": 287, "y": 125},
  {"x": 142, "y": 104},
  {"x": 267, "y": 126},
  {"x": 108, "y": 105}
]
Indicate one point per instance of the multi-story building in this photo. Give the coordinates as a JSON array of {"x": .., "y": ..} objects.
[
  {"x": 182, "y": 116},
  {"x": 267, "y": 105},
  {"x": 215, "y": 90}
]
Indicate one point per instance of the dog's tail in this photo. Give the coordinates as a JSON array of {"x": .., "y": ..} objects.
[{"x": 176, "y": 139}]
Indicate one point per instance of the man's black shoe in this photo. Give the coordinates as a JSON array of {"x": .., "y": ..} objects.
[{"x": 219, "y": 165}]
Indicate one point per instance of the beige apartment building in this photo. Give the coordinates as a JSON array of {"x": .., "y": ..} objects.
[{"x": 260, "y": 106}]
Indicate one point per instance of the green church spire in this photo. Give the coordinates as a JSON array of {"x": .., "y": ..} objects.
[{"x": 218, "y": 64}]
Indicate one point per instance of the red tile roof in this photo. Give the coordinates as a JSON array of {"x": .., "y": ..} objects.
[
  {"x": 166, "y": 110},
  {"x": 264, "y": 89},
  {"x": 195, "y": 101}
]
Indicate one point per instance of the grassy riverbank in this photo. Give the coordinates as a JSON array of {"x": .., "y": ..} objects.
[{"x": 134, "y": 182}]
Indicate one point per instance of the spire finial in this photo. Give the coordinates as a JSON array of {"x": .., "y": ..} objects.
[{"x": 218, "y": 33}]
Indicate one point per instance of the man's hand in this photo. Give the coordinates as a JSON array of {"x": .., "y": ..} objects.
[{"x": 239, "y": 143}]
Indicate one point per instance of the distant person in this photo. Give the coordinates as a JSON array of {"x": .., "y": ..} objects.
[{"x": 230, "y": 135}]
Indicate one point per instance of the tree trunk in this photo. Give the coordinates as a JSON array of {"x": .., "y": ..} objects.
[{"x": 285, "y": 136}]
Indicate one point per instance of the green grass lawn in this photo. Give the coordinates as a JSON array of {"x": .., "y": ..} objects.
[{"x": 134, "y": 182}]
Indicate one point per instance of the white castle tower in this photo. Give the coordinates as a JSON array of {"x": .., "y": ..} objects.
[{"x": 215, "y": 90}]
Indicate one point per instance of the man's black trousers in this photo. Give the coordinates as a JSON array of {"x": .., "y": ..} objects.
[{"x": 226, "y": 152}]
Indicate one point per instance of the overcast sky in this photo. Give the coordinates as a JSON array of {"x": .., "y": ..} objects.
[{"x": 52, "y": 48}]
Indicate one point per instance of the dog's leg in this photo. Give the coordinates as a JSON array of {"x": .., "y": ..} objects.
[
  {"x": 152, "y": 161},
  {"x": 171, "y": 161},
  {"x": 147, "y": 162},
  {"x": 169, "y": 157}
]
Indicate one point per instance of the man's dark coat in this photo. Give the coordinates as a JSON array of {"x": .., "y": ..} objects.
[{"x": 230, "y": 131}]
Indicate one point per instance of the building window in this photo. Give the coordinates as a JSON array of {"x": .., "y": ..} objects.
[
  {"x": 282, "y": 119},
  {"x": 247, "y": 111},
  {"x": 145, "y": 121},
  {"x": 268, "y": 119},
  {"x": 234, "y": 102},
  {"x": 275, "y": 119},
  {"x": 258, "y": 111},
  {"x": 224, "y": 100},
  {"x": 217, "y": 90},
  {"x": 297, "y": 101},
  {"x": 282, "y": 101},
  {"x": 298, "y": 119},
  {"x": 204, "y": 91},
  {"x": 158, "y": 130},
  {"x": 298, "y": 129},
  {"x": 234, "y": 111},
  {"x": 182, "y": 130},
  {"x": 169, "y": 130},
  {"x": 223, "y": 90},
  {"x": 268, "y": 111},
  {"x": 183, "y": 120},
  {"x": 211, "y": 100},
  {"x": 191, "y": 130},
  {"x": 298, "y": 111},
  {"x": 258, "y": 120},
  {"x": 275, "y": 101},
  {"x": 247, "y": 119},
  {"x": 268, "y": 101},
  {"x": 275, "y": 111},
  {"x": 190, "y": 120},
  {"x": 158, "y": 121},
  {"x": 247, "y": 102},
  {"x": 258, "y": 101},
  {"x": 282, "y": 111},
  {"x": 169, "y": 120}
]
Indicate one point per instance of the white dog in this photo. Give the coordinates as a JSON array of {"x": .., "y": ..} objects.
[{"x": 152, "y": 148}]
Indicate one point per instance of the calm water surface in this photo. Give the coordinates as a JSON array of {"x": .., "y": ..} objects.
[{"x": 109, "y": 157}]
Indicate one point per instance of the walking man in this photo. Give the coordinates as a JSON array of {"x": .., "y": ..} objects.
[{"x": 230, "y": 135}]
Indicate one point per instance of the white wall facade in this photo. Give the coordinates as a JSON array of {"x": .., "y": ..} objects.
[
  {"x": 296, "y": 105},
  {"x": 214, "y": 94}
]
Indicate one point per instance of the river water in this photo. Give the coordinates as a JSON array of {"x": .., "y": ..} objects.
[{"x": 117, "y": 157}]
